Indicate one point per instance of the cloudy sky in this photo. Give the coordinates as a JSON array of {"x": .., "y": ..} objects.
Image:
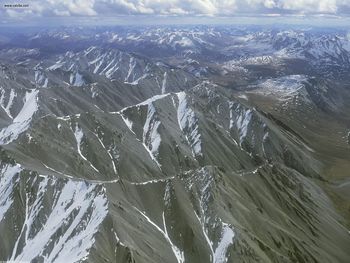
[{"x": 61, "y": 9}]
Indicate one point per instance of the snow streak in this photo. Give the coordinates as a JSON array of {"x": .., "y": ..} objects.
[
  {"x": 76, "y": 213},
  {"x": 8, "y": 179},
  {"x": 22, "y": 121},
  {"x": 188, "y": 123},
  {"x": 78, "y": 134},
  {"x": 151, "y": 138},
  {"x": 177, "y": 252}
]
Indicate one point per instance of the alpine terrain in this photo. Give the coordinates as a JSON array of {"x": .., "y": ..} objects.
[{"x": 187, "y": 144}]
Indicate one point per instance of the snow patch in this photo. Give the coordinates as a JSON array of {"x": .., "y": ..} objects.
[
  {"x": 108, "y": 152},
  {"x": 77, "y": 211},
  {"x": 225, "y": 241},
  {"x": 164, "y": 82},
  {"x": 132, "y": 65},
  {"x": 136, "y": 82},
  {"x": 240, "y": 119},
  {"x": 151, "y": 137},
  {"x": 76, "y": 80},
  {"x": 177, "y": 252},
  {"x": 7, "y": 107},
  {"x": 8, "y": 178},
  {"x": 243, "y": 123},
  {"x": 188, "y": 124},
  {"x": 282, "y": 88},
  {"x": 78, "y": 134},
  {"x": 22, "y": 121}
]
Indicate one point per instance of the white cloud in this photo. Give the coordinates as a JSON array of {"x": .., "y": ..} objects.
[
  {"x": 176, "y": 11},
  {"x": 321, "y": 6},
  {"x": 177, "y": 7},
  {"x": 72, "y": 7},
  {"x": 20, "y": 14}
]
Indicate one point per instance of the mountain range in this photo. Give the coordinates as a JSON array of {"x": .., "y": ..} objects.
[{"x": 175, "y": 144}]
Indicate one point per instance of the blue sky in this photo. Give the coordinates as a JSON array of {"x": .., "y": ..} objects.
[{"x": 173, "y": 10}]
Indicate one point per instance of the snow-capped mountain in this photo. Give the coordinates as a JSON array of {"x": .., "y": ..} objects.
[{"x": 175, "y": 144}]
